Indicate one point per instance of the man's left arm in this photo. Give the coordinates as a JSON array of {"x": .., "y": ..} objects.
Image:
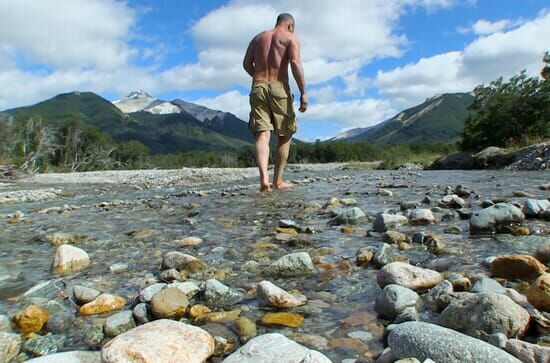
[{"x": 248, "y": 62}]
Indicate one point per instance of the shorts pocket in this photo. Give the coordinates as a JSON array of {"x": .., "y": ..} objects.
[{"x": 279, "y": 92}]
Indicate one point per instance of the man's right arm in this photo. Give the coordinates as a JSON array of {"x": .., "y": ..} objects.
[
  {"x": 298, "y": 71},
  {"x": 248, "y": 62}
]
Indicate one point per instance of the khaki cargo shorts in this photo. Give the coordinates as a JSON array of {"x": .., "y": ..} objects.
[{"x": 271, "y": 108}]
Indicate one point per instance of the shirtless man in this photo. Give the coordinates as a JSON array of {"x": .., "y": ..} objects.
[{"x": 266, "y": 61}]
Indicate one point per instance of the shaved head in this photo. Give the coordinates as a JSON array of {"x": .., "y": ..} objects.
[{"x": 285, "y": 17}]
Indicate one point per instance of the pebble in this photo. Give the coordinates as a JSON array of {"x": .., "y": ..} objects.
[
  {"x": 290, "y": 320},
  {"x": 84, "y": 294},
  {"x": 189, "y": 241},
  {"x": 218, "y": 317},
  {"x": 189, "y": 288},
  {"x": 488, "y": 220},
  {"x": 383, "y": 255},
  {"x": 272, "y": 295},
  {"x": 93, "y": 336},
  {"x": 487, "y": 285},
  {"x": 384, "y": 222},
  {"x": 421, "y": 217},
  {"x": 102, "y": 304},
  {"x": 31, "y": 319},
  {"x": 39, "y": 345},
  {"x": 118, "y": 268},
  {"x": 69, "y": 259},
  {"x": 245, "y": 328},
  {"x": 169, "y": 303},
  {"x": 220, "y": 296},
  {"x": 146, "y": 294},
  {"x": 292, "y": 265},
  {"x": 412, "y": 277},
  {"x": 69, "y": 357},
  {"x": 351, "y": 216},
  {"x": 523, "y": 267},
  {"x": 393, "y": 300},
  {"x": 394, "y": 237},
  {"x": 538, "y": 293},
  {"x": 119, "y": 323},
  {"x": 5, "y": 324},
  {"x": 10, "y": 344}
]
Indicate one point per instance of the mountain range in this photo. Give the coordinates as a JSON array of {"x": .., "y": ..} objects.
[{"x": 178, "y": 125}]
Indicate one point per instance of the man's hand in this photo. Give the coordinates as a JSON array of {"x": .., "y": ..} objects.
[{"x": 303, "y": 103}]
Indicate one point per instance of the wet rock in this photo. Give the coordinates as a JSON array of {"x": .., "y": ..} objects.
[
  {"x": 421, "y": 217},
  {"x": 384, "y": 193},
  {"x": 310, "y": 340},
  {"x": 460, "y": 283},
  {"x": 220, "y": 296},
  {"x": 60, "y": 322},
  {"x": 383, "y": 255},
  {"x": 527, "y": 352},
  {"x": 481, "y": 315},
  {"x": 198, "y": 310},
  {"x": 452, "y": 230},
  {"x": 486, "y": 285},
  {"x": 69, "y": 357},
  {"x": 351, "y": 216},
  {"x": 412, "y": 277},
  {"x": 169, "y": 303},
  {"x": 430, "y": 341},
  {"x": 171, "y": 275},
  {"x": 294, "y": 264},
  {"x": 437, "y": 297},
  {"x": 5, "y": 324},
  {"x": 523, "y": 267},
  {"x": 488, "y": 220},
  {"x": 10, "y": 344},
  {"x": 364, "y": 256},
  {"x": 181, "y": 261},
  {"x": 119, "y": 323},
  {"x": 418, "y": 237},
  {"x": 93, "y": 336},
  {"x": 31, "y": 319},
  {"x": 409, "y": 314},
  {"x": 272, "y": 295},
  {"x": 245, "y": 328},
  {"x": 189, "y": 241},
  {"x": 538, "y": 293},
  {"x": 394, "y": 237},
  {"x": 535, "y": 208},
  {"x": 190, "y": 288},
  {"x": 146, "y": 294},
  {"x": 39, "y": 345},
  {"x": 453, "y": 201},
  {"x": 58, "y": 238},
  {"x": 384, "y": 222},
  {"x": 275, "y": 348},
  {"x": 408, "y": 205},
  {"x": 155, "y": 342},
  {"x": 102, "y": 304},
  {"x": 393, "y": 300},
  {"x": 498, "y": 340},
  {"x": 291, "y": 320},
  {"x": 118, "y": 268},
  {"x": 69, "y": 259},
  {"x": 224, "y": 338},
  {"x": 434, "y": 244},
  {"x": 218, "y": 317},
  {"x": 84, "y": 294}
]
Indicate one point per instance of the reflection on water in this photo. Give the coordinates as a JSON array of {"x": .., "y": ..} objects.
[{"x": 137, "y": 226}]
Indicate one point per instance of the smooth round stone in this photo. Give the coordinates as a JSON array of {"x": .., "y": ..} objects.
[
  {"x": 538, "y": 293},
  {"x": 394, "y": 237},
  {"x": 412, "y": 277},
  {"x": 480, "y": 315},
  {"x": 118, "y": 268},
  {"x": 177, "y": 260},
  {"x": 430, "y": 341},
  {"x": 245, "y": 328},
  {"x": 272, "y": 295},
  {"x": 498, "y": 340},
  {"x": 523, "y": 267},
  {"x": 292, "y": 265},
  {"x": 171, "y": 275},
  {"x": 290, "y": 320},
  {"x": 489, "y": 219},
  {"x": 384, "y": 222},
  {"x": 189, "y": 288},
  {"x": 543, "y": 252},
  {"x": 84, "y": 294},
  {"x": 168, "y": 303},
  {"x": 393, "y": 300},
  {"x": 351, "y": 216},
  {"x": 189, "y": 241},
  {"x": 218, "y": 295},
  {"x": 275, "y": 348},
  {"x": 218, "y": 317},
  {"x": 102, "y": 304},
  {"x": 383, "y": 255},
  {"x": 146, "y": 294},
  {"x": 119, "y": 323},
  {"x": 69, "y": 357},
  {"x": 10, "y": 344},
  {"x": 69, "y": 259},
  {"x": 160, "y": 341}
]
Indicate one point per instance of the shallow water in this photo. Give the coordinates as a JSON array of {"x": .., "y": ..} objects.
[{"x": 232, "y": 224}]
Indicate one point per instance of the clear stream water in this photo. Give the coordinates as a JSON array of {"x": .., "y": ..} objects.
[{"x": 235, "y": 227}]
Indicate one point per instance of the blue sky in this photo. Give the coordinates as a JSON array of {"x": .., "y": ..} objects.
[{"x": 364, "y": 60}]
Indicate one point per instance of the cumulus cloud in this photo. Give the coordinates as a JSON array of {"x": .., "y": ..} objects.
[
  {"x": 232, "y": 101},
  {"x": 483, "y": 60}
]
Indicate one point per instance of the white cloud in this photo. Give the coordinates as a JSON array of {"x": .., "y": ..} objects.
[
  {"x": 352, "y": 113},
  {"x": 482, "y": 61},
  {"x": 485, "y": 27},
  {"x": 233, "y": 101}
]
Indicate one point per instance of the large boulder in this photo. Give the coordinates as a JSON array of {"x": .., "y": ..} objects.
[
  {"x": 492, "y": 157},
  {"x": 412, "y": 277},
  {"x": 393, "y": 300},
  {"x": 461, "y": 160},
  {"x": 489, "y": 220},
  {"x": 275, "y": 348},
  {"x": 429, "y": 341},
  {"x": 293, "y": 264},
  {"x": 522, "y": 267},
  {"x": 161, "y": 341},
  {"x": 272, "y": 295},
  {"x": 481, "y": 315},
  {"x": 538, "y": 293}
]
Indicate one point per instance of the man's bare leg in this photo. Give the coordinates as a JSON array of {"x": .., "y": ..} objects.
[
  {"x": 262, "y": 158},
  {"x": 281, "y": 157}
]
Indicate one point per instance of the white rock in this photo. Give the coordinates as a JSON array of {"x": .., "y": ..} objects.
[
  {"x": 161, "y": 341},
  {"x": 69, "y": 259},
  {"x": 273, "y": 295},
  {"x": 69, "y": 357},
  {"x": 275, "y": 348}
]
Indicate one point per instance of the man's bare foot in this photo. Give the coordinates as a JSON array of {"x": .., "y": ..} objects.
[
  {"x": 265, "y": 188},
  {"x": 284, "y": 185}
]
